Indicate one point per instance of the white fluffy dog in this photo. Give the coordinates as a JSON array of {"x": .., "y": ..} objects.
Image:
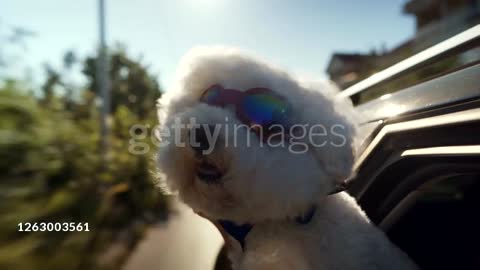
[{"x": 269, "y": 196}]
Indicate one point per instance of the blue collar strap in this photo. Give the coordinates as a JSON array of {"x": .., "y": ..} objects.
[
  {"x": 240, "y": 232},
  {"x": 305, "y": 219}
]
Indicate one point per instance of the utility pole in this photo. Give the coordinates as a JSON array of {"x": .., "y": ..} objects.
[{"x": 103, "y": 81}]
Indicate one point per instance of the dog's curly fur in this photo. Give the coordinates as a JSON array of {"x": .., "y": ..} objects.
[{"x": 270, "y": 186}]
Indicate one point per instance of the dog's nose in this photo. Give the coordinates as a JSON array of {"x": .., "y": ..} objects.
[{"x": 199, "y": 140}]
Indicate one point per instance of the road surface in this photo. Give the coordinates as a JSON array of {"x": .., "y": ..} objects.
[{"x": 185, "y": 242}]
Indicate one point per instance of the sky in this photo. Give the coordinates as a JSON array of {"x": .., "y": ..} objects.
[{"x": 297, "y": 35}]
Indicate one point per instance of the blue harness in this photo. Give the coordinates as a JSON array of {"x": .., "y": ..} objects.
[{"x": 240, "y": 232}]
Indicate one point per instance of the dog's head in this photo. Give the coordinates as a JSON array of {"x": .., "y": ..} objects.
[{"x": 235, "y": 152}]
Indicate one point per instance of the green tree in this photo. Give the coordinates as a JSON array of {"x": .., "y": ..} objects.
[
  {"x": 52, "y": 170},
  {"x": 131, "y": 84}
]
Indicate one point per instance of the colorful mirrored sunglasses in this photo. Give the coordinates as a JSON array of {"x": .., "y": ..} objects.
[{"x": 258, "y": 107}]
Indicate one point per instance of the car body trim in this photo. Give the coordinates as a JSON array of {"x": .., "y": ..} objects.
[
  {"x": 462, "y": 150},
  {"x": 414, "y": 61},
  {"x": 439, "y": 120}
]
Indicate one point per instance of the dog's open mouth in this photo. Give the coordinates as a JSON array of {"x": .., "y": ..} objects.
[{"x": 207, "y": 171}]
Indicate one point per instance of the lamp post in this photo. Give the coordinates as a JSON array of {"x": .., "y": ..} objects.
[{"x": 103, "y": 80}]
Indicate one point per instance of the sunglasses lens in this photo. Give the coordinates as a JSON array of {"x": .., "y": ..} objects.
[
  {"x": 264, "y": 109},
  {"x": 211, "y": 95}
]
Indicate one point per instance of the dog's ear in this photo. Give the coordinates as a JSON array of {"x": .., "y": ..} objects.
[
  {"x": 335, "y": 151},
  {"x": 339, "y": 162}
]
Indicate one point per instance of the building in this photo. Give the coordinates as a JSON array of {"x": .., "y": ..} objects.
[
  {"x": 436, "y": 20},
  {"x": 344, "y": 69}
]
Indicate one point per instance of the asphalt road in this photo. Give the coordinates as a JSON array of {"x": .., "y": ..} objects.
[{"x": 186, "y": 242}]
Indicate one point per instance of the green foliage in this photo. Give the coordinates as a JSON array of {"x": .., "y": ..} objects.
[
  {"x": 131, "y": 84},
  {"x": 53, "y": 171}
]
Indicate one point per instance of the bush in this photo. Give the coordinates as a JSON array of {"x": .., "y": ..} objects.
[{"x": 53, "y": 171}]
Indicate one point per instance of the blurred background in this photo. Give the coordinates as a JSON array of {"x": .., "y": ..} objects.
[{"x": 76, "y": 76}]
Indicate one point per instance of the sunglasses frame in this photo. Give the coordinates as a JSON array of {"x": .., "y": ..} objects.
[{"x": 236, "y": 97}]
